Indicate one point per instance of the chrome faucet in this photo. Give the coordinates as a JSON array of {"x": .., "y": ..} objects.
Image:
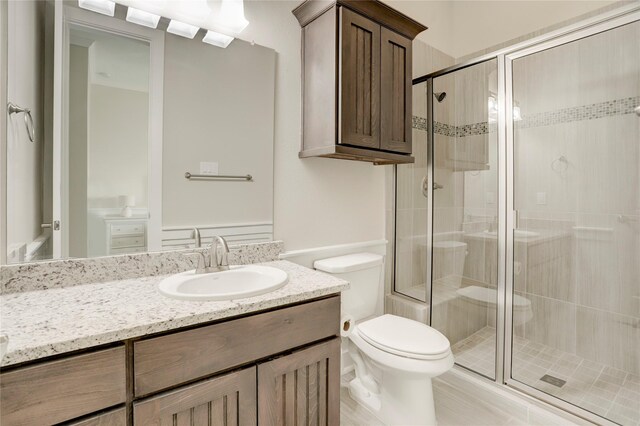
[
  {"x": 196, "y": 237},
  {"x": 210, "y": 262},
  {"x": 223, "y": 263}
]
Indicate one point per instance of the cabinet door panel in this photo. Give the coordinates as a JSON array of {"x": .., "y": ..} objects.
[
  {"x": 302, "y": 388},
  {"x": 226, "y": 400},
  {"x": 396, "y": 92},
  {"x": 360, "y": 81}
]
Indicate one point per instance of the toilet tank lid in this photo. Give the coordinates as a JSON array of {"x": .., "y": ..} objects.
[{"x": 348, "y": 263}]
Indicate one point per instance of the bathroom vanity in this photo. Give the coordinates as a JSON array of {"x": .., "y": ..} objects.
[{"x": 139, "y": 358}]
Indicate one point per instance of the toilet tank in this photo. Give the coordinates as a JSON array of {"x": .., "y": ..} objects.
[{"x": 364, "y": 273}]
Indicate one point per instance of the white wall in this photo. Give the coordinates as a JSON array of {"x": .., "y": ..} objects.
[{"x": 319, "y": 201}]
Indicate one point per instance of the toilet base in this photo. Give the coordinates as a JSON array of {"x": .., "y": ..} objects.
[{"x": 401, "y": 401}]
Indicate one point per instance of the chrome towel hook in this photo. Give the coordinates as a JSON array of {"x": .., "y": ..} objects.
[{"x": 28, "y": 120}]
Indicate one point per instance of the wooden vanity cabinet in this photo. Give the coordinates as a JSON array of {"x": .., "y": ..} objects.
[
  {"x": 226, "y": 400},
  {"x": 302, "y": 388},
  {"x": 62, "y": 390},
  {"x": 117, "y": 417},
  {"x": 271, "y": 368},
  {"x": 356, "y": 81}
]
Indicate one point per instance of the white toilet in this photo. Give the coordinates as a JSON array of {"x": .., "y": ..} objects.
[{"x": 394, "y": 358}]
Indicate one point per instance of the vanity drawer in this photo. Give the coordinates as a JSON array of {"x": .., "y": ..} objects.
[
  {"x": 62, "y": 390},
  {"x": 128, "y": 229},
  {"x": 166, "y": 361},
  {"x": 128, "y": 250},
  {"x": 122, "y": 242}
]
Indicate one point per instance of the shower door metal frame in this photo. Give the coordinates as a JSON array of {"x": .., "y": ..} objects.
[
  {"x": 506, "y": 213},
  {"x": 602, "y": 23}
]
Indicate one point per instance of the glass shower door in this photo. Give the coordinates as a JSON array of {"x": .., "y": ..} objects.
[
  {"x": 576, "y": 242},
  {"x": 465, "y": 213}
]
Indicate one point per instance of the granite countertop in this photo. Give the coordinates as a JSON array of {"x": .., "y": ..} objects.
[{"x": 54, "y": 321}]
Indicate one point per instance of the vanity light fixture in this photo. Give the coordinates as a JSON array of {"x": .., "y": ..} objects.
[
  {"x": 231, "y": 17},
  {"x": 223, "y": 20},
  {"x": 105, "y": 7},
  {"x": 217, "y": 39},
  {"x": 182, "y": 29},
  {"x": 143, "y": 18}
]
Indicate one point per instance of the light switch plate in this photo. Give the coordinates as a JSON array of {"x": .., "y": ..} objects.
[{"x": 208, "y": 168}]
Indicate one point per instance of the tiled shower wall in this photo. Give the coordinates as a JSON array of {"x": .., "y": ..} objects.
[
  {"x": 578, "y": 163},
  {"x": 578, "y": 173}
]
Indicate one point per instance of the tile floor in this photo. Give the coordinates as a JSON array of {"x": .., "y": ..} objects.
[
  {"x": 603, "y": 390},
  {"x": 455, "y": 407}
]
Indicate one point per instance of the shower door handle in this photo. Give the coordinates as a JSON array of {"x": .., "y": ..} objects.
[{"x": 425, "y": 186}]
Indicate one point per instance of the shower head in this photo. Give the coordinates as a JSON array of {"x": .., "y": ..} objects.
[{"x": 440, "y": 96}]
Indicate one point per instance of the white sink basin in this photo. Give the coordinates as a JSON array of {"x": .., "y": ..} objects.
[{"x": 236, "y": 283}]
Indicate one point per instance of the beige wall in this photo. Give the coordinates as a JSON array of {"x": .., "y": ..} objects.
[
  {"x": 218, "y": 111},
  {"x": 463, "y": 27},
  {"x": 78, "y": 135},
  {"x": 25, "y": 88},
  {"x": 317, "y": 202},
  {"x": 117, "y": 154}
]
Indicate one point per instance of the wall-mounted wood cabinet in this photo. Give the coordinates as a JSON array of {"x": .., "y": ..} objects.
[{"x": 356, "y": 81}]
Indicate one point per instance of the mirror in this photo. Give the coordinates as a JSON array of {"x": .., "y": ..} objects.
[{"x": 139, "y": 136}]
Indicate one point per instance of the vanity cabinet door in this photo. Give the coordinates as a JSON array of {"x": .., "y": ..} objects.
[
  {"x": 225, "y": 400},
  {"x": 360, "y": 81},
  {"x": 302, "y": 388},
  {"x": 396, "y": 91}
]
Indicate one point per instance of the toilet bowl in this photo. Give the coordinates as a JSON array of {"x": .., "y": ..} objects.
[{"x": 394, "y": 358}]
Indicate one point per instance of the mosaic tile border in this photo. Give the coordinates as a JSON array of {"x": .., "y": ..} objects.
[
  {"x": 565, "y": 115},
  {"x": 580, "y": 113}
]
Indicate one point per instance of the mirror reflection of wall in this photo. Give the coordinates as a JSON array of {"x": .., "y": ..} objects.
[
  {"x": 108, "y": 137},
  {"x": 29, "y": 74},
  {"x": 134, "y": 110}
]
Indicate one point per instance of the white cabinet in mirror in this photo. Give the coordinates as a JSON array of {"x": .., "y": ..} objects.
[{"x": 120, "y": 113}]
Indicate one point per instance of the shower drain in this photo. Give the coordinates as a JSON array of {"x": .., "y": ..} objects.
[{"x": 553, "y": 380}]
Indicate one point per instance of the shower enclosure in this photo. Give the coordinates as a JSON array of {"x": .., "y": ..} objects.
[{"x": 519, "y": 223}]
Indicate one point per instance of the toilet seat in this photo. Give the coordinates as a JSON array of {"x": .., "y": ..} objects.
[{"x": 404, "y": 337}]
